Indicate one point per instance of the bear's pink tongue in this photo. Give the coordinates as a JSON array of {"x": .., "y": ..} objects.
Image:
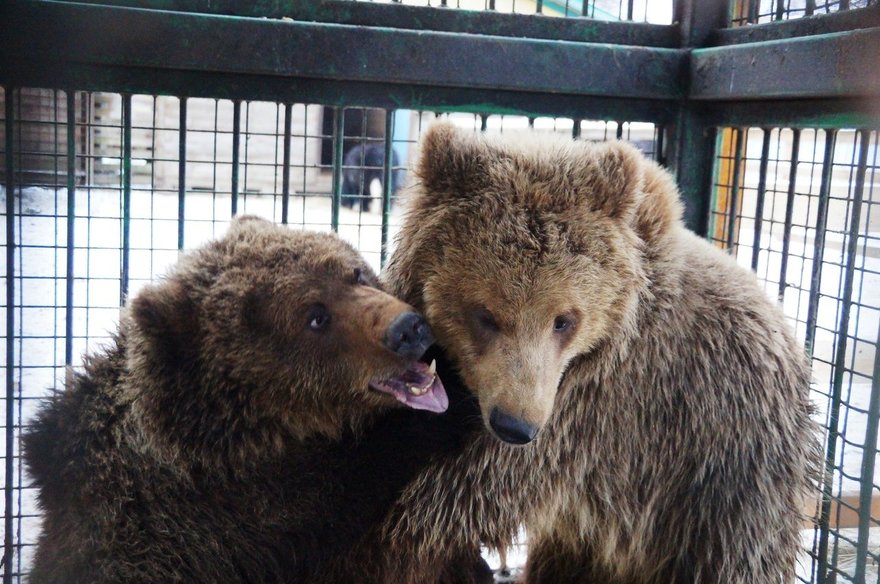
[{"x": 418, "y": 387}]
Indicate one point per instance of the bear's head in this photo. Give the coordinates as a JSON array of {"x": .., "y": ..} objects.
[
  {"x": 524, "y": 253},
  {"x": 265, "y": 335}
]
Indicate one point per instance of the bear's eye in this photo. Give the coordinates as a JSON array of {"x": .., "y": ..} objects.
[
  {"x": 360, "y": 278},
  {"x": 563, "y": 323},
  {"x": 486, "y": 320},
  {"x": 318, "y": 317}
]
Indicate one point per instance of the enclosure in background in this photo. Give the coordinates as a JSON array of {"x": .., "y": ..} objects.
[{"x": 123, "y": 141}]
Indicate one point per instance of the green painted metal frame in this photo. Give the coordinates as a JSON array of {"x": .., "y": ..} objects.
[{"x": 690, "y": 78}]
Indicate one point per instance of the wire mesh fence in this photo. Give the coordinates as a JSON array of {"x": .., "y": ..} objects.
[
  {"x": 759, "y": 11},
  {"x": 653, "y": 11},
  {"x": 801, "y": 207},
  {"x": 108, "y": 188}
]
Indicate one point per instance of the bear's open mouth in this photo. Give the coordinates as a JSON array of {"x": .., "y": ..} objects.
[{"x": 418, "y": 387}]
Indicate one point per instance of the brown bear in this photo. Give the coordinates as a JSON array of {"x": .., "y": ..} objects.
[
  {"x": 216, "y": 438},
  {"x": 645, "y": 405}
]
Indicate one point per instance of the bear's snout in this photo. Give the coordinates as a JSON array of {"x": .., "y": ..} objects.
[
  {"x": 409, "y": 335},
  {"x": 510, "y": 428}
]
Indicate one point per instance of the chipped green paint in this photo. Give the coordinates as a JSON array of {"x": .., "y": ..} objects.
[{"x": 425, "y": 18}]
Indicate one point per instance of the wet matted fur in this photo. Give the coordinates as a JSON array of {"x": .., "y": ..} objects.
[
  {"x": 675, "y": 441},
  {"x": 218, "y": 438}
]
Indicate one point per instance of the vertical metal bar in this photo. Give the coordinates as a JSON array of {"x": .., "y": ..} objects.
[
  {"x": 629, "y": 10},
  {"x": 870, "y": 450},
  {"x": 692, "y": 141},
  {"x": 819, "y": 244},
  {"x": 576, "y": 129},
  {"x": 71, "y": 214},
  {"x": 762, "y": 191},
  {"x": 126, "y": 195},
  {"x": 840, "y": 364},
  {"x": 484, "y": 122},
  {"x": 659, "y": 145},
  {"x": 753, "y": 11},
  {"x": 338, "y": 138},
  {"x": 780, "y": 9},
  {"x": 810, "y": 7},
  {"x": 181, "y": 174},
  {"x": 866, "y": 491},
  {"x": 844, "y": 5},
  {"x": 789, "y": 211},
  {"x": 236, "y": 141},
  {"x": 285, "y": 169},
  {"x": 700, "y": 19},
  {"x": 690, "y": 156},
  {"x": 539, "y": 6},
  {"x": 734, "y": 189},
  {"x": 387, "y": 180},
  {"x": 619, "y": 132},
  {"x": 8, "y": 544}
]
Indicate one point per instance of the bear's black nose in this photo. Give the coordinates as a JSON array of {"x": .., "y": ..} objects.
[
  {"x": 409, "y": 335},
  {"x": 511, "y": 429}
]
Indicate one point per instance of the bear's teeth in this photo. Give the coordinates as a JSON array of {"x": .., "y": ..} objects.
[
  {"x": 432, "y": 370},
  {"x": 417, "y": 390}
]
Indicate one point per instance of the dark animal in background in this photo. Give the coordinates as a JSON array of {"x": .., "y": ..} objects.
[
  {"x": 219, "y": 437},
  {"x": 363, "y": 175}
]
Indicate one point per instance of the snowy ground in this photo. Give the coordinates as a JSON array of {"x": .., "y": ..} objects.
[{"x": 41, "y": 266}]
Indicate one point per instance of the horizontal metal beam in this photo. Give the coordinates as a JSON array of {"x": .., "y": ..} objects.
[
  {"x": 792, "y": 113},
  {"x": 57, "y": 35},
  {"x": 485, "y": 22},
  {"x": 836, "y": 65},
  {"x": 822, "y": 80},
  {"x": 342, "y": 93}
]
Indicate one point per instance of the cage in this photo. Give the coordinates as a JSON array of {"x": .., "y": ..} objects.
[{"x": 133, "y": 129}]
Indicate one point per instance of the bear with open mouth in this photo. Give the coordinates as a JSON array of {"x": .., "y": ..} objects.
[{"x": 216, "y": 439}]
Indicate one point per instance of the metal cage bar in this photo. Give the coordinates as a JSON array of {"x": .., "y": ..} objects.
[
  {"x": 869, "y": 454},
  {"x": 338, "y": 147},
  {"x": 387, "y": 185},
  {"x": 789, "y": 212},
  {"x": 285, "y": 173},
  {"x": 8, "y": 541},
  {"x": 236, "y": 153},
  {"x": 819, "y": 243},
  {"x": 181, "y": 174},
  {"x": 734, "y": 189},
  {"x": 759, "y": 201},
  {"x": 126, "y": 197},
  {"x": 71, "y": 224}
]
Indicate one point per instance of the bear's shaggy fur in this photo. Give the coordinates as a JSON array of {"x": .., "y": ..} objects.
[
  {"x": 216, "y": 439},
  {"x": 675, "y": 442}
]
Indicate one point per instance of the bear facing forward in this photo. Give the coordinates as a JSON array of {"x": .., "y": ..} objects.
[
  {"x": 211, "y": 442},
  {"x": 661, "y": 397}
]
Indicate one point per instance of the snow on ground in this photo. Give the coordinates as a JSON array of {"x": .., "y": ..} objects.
[{"x": 41, "y": 316}]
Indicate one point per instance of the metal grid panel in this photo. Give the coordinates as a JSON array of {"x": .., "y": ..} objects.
[
  {"x": 802, "y": 208},
  {"x": 113, "y": 186},
  {"x": 653, "y": 11},
  {"x": 758, "y": 11}
]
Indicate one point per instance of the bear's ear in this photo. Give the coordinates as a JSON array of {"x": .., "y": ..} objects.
[
  {"x": 452, "y": 162},
  {"x": 612, "y": 179},
  {"x": 240, "y": 222},
  {"x": 164, "y": 312}
]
